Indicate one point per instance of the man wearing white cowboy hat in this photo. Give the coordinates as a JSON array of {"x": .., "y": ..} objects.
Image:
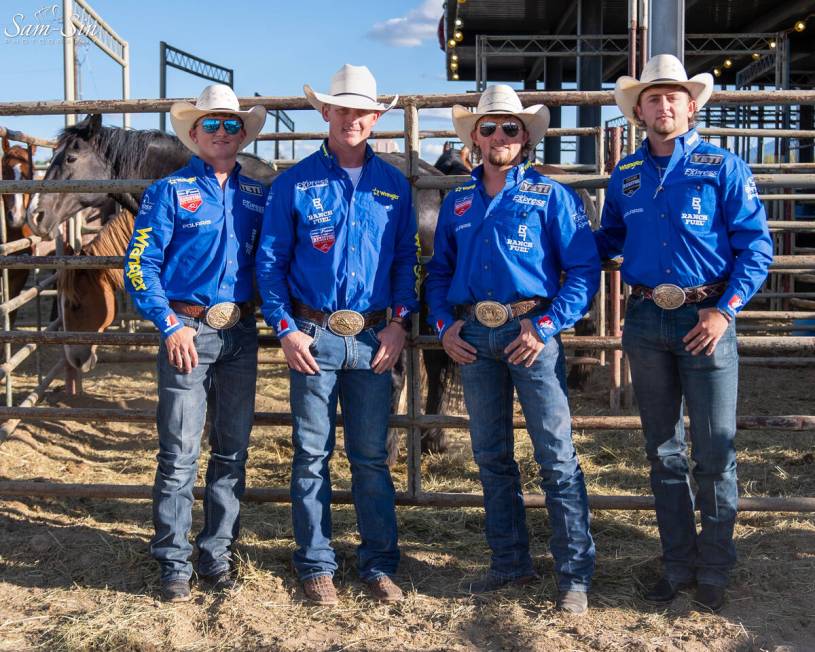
[
  {"x": 337, "y": 254},
  {"x": 502, "y": 242},
  {"x": 686, "y": 218},
  {"x": 189, "y": 268}
]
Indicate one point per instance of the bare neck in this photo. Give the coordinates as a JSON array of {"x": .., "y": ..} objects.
[
  {"x": 222, "y": 168},
  {"x": 495, "y": 176},
  {"x": 348, "y": 156}
]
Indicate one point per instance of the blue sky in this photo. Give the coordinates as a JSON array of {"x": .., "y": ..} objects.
[{"x": 273, "y": 46}]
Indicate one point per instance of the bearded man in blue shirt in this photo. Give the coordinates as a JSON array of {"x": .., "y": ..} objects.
[
  {"x": 687, "y": 220},
  {"x": 338, "y": 253},
  {"x": 495, "y": 296},
  {"x": 189, "y": 269}
]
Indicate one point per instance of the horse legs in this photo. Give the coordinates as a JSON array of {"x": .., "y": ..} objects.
[
  {"x": 398, "y": 404},
  {"x": 439, "y": 375}
]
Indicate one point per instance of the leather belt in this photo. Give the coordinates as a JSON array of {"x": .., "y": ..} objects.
[
  {"x": 670, "y": 297},
  {"x": 346, "y": 323},
  {"x": 197, "y": 311},
  {"x": 494, "y": 314}
]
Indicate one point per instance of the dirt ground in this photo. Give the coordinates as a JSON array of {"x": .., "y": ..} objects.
[{"x": 75, "y": 574}]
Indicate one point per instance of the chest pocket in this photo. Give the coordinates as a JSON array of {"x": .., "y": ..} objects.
[
  {"x": 378, "y": 217},
  {"x": 697, "y": 205},
  {"x": 520, "y": 231}
]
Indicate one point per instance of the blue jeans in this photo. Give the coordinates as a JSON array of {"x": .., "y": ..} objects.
[
  {"x": 224, "y": 380},
  {"x": 662, "y": 373},
  {"x": 345, "y": 375},
  {"x": 488, "y": 393}
]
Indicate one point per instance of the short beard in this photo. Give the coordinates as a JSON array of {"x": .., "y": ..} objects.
[{"x": 500, "y": 159}]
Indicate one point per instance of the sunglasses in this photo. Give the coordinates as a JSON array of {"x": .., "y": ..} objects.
[
  {"x": 511, "y": 129},
  {"x": 231, "y": 125}
]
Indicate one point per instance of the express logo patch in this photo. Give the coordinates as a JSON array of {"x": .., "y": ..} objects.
[
  {"x": 631, "y": 184},
  {"x": 463, "y": 205},
  {"x": 323, "y": 239},
  {"x": 190, "y": 199}
]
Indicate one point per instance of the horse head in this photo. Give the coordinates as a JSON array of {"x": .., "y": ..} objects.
[
  {"x": 87, "y": 297},
  {"x": 17, "y": 165},
  {"x": 80, "y": 154}
]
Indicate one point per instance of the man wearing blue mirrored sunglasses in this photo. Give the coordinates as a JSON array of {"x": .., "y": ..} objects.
[{"x": 189, "y": 269}]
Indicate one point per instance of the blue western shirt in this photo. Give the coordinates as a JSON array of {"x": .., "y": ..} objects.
[
  {"x": 333, "y": 246},
  {"x": 700, "y": 223},
  {"x": 513, "y": 246},
  {"x": 193, "y": 242}
]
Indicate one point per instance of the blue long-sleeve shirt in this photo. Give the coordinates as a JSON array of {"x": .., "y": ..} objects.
[
  {"x": 333, "y": 246},
  {"x": 513, "y": 246},
  {"x": 701, "y": 222},
  {"x": 193, "y": 241}
]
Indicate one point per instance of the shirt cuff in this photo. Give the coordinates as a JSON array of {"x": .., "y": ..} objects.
[
  {"x": 284, "y": 325},
  {"x": 730, "y": 303},
  {"x": 443, "y": 323},
  {"x": 400, "y": 310},
  {"x": 546, "y": 327},
  {"x": 169, "y": 324}
]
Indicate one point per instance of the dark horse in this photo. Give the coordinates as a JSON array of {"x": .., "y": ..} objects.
[
  {"x": 17, "y": 165},
  {"x": 88, "y": 150}
]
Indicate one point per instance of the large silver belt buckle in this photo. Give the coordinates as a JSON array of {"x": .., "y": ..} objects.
[
  {"x": 491, "y": 313},
  {"x": 346, "y": 323},
  {"x": 223, "y": 315},
  {"x": 668, "y": 296}
]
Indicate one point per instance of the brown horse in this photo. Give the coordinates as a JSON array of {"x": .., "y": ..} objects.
[
  {"x": 17, "y": 165},
  {"x": 88, "y": 296}
]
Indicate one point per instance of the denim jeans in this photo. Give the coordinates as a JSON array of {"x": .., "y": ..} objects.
[
  {"x": 345, "y": 375},
  {"x": 662, "y": 373},
  {"x": 224, "y": 380},
  {"x": 488, "y": 393}
]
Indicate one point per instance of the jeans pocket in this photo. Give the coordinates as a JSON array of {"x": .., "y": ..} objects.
[{"x": 196, "y": 324}]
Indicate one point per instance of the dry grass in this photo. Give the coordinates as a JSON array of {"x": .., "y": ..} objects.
[{"x": 76, "y": 574}]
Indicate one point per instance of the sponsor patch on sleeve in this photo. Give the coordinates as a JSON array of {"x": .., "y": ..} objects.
[
  {"x": 190, "y": 199},
  {"x": 546, "y": 324},
  {"x": 401, "y": 311},
  {"x": 734, "y": 303},
  {"x": 750, "y": 190}
]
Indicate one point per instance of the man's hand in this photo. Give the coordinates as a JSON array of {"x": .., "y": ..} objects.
[
  {"x": 457, "y": 348},
  {"x": 708, "y": 331},
  {"x": 181, "y": 349},
  {"x": 525, "y": 348},
  {"x": 295, "y": 347},
  {"x": 391, "y": 342}
]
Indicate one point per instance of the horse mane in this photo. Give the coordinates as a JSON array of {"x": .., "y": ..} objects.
[
  {"x": 124, "y": 149},
  {"x": 112, "y": 240}
]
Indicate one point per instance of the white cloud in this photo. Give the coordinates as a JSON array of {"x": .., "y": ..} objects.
[
  {"x": 436, "y": 115},
  {"x": 431, "y": 150},
  {"x": 412, "y": 29}
]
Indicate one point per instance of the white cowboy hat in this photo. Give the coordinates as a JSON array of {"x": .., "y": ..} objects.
[
  {"x": 661, "y": 69},
  {"x": 501, "y": 99},
  {"x": 215, "y": 98},
  {"x": 353, "y": 87}
]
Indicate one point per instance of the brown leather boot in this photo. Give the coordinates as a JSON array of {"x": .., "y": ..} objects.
[
  {"x": 320, "y": 590},
  {"x": 384, "y": 589}
]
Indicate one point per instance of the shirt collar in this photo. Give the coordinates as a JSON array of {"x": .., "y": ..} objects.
[
  {"x": 204, "y": 169},
  {"x": 683, "y": 145},
  {"x": 327, "y": 156},
  {"x": 514, "y": 175}
]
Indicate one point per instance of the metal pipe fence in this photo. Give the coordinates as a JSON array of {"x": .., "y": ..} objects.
[{"x": 764, "y": 349}]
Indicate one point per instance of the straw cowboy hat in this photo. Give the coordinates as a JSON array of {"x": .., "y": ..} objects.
[
  {"x": 661, "y": 69},
  {"x": 215, "y": 98},
  {"x": 501, "y": 99},
  {"x": 353, "y": 87}
]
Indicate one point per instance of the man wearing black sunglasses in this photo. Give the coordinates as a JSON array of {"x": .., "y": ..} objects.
[
  {"x": 502, "y": 242},
  {"x": 189, "y": 269}
]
